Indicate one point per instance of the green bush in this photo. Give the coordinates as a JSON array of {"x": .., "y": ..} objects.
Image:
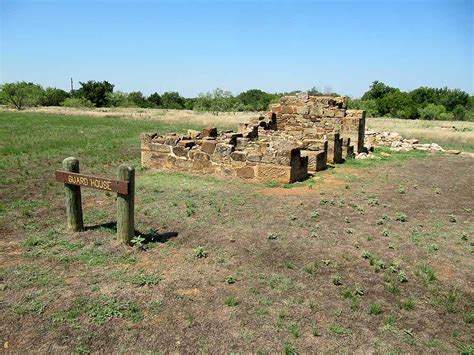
[
  {"x": 431, "y": 112},
  {"x": 77, "y": 103},
  {"x": 21, "y": 94}
]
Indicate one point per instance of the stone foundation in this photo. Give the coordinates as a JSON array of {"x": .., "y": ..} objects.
[
  {"x": 227, "y": 155},
  {"x": 302, "y": 133}
]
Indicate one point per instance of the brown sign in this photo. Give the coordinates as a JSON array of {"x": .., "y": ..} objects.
[{"x": 95, "y": 182}]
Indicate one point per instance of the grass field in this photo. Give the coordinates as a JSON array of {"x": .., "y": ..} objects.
[
  {"x": 371, "y": 256},
  {"x": 449, "y": 134}
]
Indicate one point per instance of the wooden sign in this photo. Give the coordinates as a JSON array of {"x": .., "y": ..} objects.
[{"x": 94, "y": 182}]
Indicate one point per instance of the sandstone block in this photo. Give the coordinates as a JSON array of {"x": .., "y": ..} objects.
[
  {"x": 208, "y": 146},
  {"x": 246, "y": 172},
  {"x": 180, "y": 151},
  {"x": 209, "y": 132}
]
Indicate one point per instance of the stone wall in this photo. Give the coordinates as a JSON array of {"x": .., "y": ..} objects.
[
  {"x": 315, "y": 117},
  {"x": 228, "y": 154},
  {"x": 301, "y": 134}
]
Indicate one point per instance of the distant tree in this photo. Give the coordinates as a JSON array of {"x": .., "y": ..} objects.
[
  {"x": 460, "y": 113},
  {"x": 434, "y": 112},
  {"x": 189, "y": 103},
  {"x": 54, "y": 97},
  {"x": 155, "y": 99},
  {"x": 370, "y": 106},
  {"x": 172, "y": 100},
  {"x": 137, "y": 99},
  {"x": 21, "y": 94},
  {"x": 255, "y": 100},
  {"x": 397, "y": 104},
  {"x": 117, "y": 99},
  {"x": 452, "y": 98},
  {"x": 315, "y": 92},
  {"x": 377, "y": 90},
  {"x": 96, "y": 92}
]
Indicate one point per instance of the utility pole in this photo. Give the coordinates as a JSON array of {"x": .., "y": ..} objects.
[{"x": 72, "y": 87}]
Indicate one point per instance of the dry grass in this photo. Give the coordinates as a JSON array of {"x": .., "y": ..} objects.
[
  {"x": 449, "y": 134},
  {"x": 228, "y": 120},
  {"x": 446, "y": 133}
]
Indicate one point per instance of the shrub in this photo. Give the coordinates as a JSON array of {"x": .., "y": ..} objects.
[
  {"x": 77, "y": 103},
  {"x": 21, "y": 94},
  {"x": 431, "y": 112}
]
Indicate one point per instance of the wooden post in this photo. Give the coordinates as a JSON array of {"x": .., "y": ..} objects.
[
  {"x": 126, "y": 206},
  {"x": 75, "y": 221}
]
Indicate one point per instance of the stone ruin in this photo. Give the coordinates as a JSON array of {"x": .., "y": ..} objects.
[{"x": 299, "y": 135}]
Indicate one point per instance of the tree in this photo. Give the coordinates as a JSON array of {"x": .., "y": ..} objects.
[
  {"x": 96, "y": 92},
  {"x": 377, "y": 90},
  {"x": 460, "y": 113},
  {"x": 21, "y": 94},
  {"x": 172, "y": 100},
  {"x": 255, "y": 100},
  {"x": 155, "y": 99},
  {"x": 433, "y": 112},
  {"x": 396, "y": 104},
  {"x": 53, "y": 97},
  {"x": 117, "y": 99},
  {"x": 137, "y": 99}
]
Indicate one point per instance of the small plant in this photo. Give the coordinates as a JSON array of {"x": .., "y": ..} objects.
[
  {"x": 310, "y": 269},
  {"x": 324, "y": 201},
  {"x": 366, "y": 254},
  {"x": 200, "y": 252},
  {"x": 230, "y": 279},
  {"x": 452, "y": 218},
  {"x": 326, "y": 262},
  {"x": 349, "y": 231},
  {"x": 314, "y": 214},
  {"x": 339, "y": 330},
  {"x": 373, "y": 201},
  {"x": 469, "y": 317},
  {"x": 386, "y": 233},
  {"x": 337, "y": 280},
  {"x": 408, "y": 304},
  {"x": 380, "y": 222},
  {"x": 433, "y": 247},
  {"x": 347, "y": 220},
  {"x": 379, "y": 265},
  {"x": 315, "y": 329},
  {"x": 272, "y": 236},
  {"x": 375, "y": 309},
  {"x": 293, "y": 217},
  {"x": 427, "y": 273},
  {"x": 289, "y": 348},
  {"x": 390, "y": 321},
  {"x": 294, "y": 330},
  {"x": 231, "y": 301},
  {"x": 402, "y": 276},
  {"x": 401, "y": 217},
  {"x": 138, "y": 242},
  {"x": 464, "y": 236},
  {"x": 401, "y": 190}
]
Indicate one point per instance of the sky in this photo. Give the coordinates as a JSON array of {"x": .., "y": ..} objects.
[{"x": 196, "y": 46}]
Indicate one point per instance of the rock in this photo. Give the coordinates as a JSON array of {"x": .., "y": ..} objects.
[
  {"x": 209, "y": 132},
  {"x": 436, "y": 147},
  {"x": 361, "y": 156},
  {"x": 396, "y": 144},
  {"x": 453, "y": 151},
  {"x": 411, "y": 141},
  {"x": 194, "y": 134}
]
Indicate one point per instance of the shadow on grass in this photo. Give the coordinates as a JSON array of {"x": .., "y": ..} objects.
[{"x": 152, "y": 236}]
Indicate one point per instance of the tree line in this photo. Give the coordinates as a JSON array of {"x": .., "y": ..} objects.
[
  {"x": 424, "y": 103},
  {"x": 379, "y": 100}
]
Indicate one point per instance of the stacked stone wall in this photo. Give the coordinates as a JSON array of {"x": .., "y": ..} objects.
[{"x": 228, "y": 155}]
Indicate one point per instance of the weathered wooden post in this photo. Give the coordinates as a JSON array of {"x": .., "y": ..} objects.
[
  {"x": 126, "y": 206},
  {"x": 75, "y": 220}
]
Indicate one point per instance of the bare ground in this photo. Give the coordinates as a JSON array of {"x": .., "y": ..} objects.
[{"x": 286, "y": 270}]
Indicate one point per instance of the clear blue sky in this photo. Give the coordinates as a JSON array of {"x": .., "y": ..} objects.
[{"x": 196, "y": 46}]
